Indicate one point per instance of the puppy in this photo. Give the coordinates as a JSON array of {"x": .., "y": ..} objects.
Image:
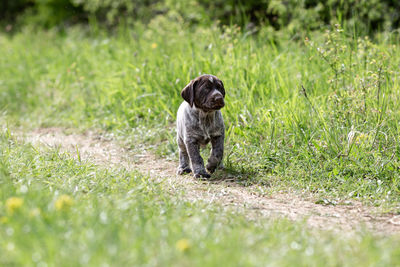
[{"x": 199, "y": 121}]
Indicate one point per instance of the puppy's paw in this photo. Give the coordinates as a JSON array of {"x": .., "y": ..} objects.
[
  {"x": 211, "y": 169},
  {"x": 202, "y": 174},
  {"x": 183, "y": 170}
]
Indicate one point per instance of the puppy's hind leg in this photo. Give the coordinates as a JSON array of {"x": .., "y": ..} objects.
[{"x": 184, "y": 166}]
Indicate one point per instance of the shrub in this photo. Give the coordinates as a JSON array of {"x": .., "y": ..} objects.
[{"x": 366, "y": 16}]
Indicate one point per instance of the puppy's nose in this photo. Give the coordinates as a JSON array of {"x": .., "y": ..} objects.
[{"x": 219, "y": 100}]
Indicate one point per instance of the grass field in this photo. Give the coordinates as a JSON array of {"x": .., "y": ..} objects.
[
  {"x": 58, "y": 211},
  {"x": 338, "y": 138},
  {"x": 319, "y": 115}
]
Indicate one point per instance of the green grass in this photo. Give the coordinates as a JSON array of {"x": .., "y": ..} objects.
[
  {"x": 114, "y": 217},
  {"x": 337, "y": 137}
]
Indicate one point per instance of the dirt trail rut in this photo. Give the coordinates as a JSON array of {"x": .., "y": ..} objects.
[{"x": 107, "y": 152}]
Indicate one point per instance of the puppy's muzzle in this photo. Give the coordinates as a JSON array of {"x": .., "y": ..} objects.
[{"x": 217, "y": 101}]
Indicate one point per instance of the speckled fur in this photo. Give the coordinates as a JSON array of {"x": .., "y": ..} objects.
[{"x": 197, "y": 127}]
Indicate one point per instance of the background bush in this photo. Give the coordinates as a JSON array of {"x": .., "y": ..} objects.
[{"x": 366, "y": 16}]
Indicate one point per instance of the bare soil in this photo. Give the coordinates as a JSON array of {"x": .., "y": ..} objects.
[{"x": 250, "y": 200}]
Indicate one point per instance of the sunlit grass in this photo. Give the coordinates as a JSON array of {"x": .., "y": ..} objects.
[
  {"x": 319, "y": 115},
  {"x": 57, "y": 211},
  {"x": 336, "y": 136}
]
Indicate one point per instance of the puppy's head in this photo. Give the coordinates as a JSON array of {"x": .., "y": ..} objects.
[{"x": 206, "y": 92}]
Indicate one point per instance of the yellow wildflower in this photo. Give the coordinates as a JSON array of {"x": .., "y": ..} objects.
[
  {"x": 154, "y": 45},
  {"x": 64, "y": 202},
  {"x": 13, "y": 204},
  {"x": 182, "y": 245},
  {"x": 3, "y": 219},
  {"x": 361, "y": 138}
]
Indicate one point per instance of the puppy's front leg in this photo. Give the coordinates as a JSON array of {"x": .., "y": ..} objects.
[
  {"x": 196, "y": 160},
  {"x": 217, "y": 152}
]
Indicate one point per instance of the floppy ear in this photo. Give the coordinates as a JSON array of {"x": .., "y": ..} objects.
[{"x": 188, "y": 92}]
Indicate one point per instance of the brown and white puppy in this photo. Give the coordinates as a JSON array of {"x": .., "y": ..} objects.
[{"x": 199, "y": 121}]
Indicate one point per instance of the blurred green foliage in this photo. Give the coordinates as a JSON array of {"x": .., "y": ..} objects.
[{"x": 366, "y": 16}]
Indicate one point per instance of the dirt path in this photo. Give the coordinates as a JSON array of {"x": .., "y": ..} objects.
[{"x": 107, "y": 152}]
